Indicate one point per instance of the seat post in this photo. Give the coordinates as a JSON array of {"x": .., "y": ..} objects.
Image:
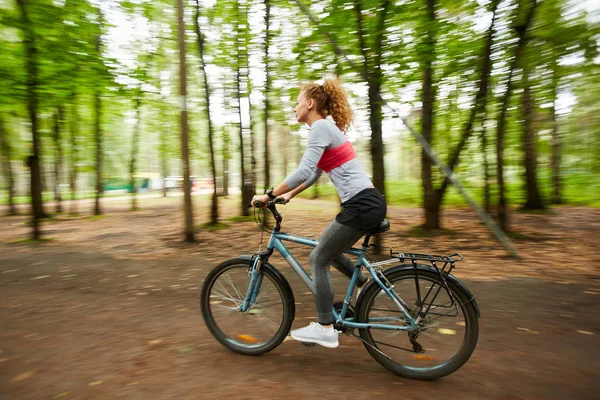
[{"x": 366, "y": 242}]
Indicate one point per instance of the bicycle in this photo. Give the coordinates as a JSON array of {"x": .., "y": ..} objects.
[{"x": 405, "y": 332}]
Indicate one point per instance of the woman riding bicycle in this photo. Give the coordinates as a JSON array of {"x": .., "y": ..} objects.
[{"x": 364, "y": 206}]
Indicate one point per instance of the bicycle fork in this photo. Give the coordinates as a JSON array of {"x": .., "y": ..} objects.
[{"x": 256, "y": 277}]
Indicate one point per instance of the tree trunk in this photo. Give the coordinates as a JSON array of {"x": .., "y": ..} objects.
[
  {"x": 267, "y": 90},
  {"x": 501, "y": 125},
  {"x": 251, "y": 185},
  {"x": 58, "y": 118},
  {"x": 372, "y": 71},
  {"x": 556, "y": 147},
  {"x": 246, "y": 182},
  {"x": 214, "y": 209},
  {"x": 163, "y": 151},
  {"x": 33, "y": 160},
  {"x": 74, "y": 126},
  {"x": 98, "y": 139},
  {"x": 432, "y": 214},
  {"x": 6, "y": 157},
  {"x": 432, "y": 217},
  {"x": 285, "y": 146},
  {"x": 486, "y": 169},
  {"x": 134, "y": 149},
  {"x": 315, "y": 194},
  {"x": 534, "y": 201},
  {"x": 185, "y": 156},
  {"x": 226, "y": 157}
]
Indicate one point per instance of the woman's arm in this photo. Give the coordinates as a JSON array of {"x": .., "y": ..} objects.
[{"x": 318, "y": 140}]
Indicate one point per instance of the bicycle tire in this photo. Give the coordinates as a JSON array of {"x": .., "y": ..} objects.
[
  {"x": 242, "y": 342},
  {"x": 464, "y": 302}
]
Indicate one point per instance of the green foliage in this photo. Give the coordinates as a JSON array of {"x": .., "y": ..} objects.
[{"x": 561, "y": 55}]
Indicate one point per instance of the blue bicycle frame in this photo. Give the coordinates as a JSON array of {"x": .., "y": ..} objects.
[{"x": 276, "y": 242}]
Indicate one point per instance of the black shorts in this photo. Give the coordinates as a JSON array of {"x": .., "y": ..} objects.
[{"x": 364, "y": 211}]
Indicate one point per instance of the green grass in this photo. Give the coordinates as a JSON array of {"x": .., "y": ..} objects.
[
  {"x": 241, "y": 218},
  {"x": 31, "y": 241},
  {"x": 517, "y": 236},
  {"x": 420, "y": 232},
  {"x": 578, "y": 189},
  {"x": 97, "y": 217}
]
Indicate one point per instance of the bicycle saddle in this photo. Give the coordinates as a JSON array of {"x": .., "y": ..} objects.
[{"x": 384, "y": 226}]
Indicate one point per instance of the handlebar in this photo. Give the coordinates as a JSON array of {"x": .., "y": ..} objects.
[
  {"x": 260, "y": 204},
  {"x": 271, "y": 206}
]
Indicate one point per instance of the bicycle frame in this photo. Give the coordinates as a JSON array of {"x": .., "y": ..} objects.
[{"x": 276, "y": 243}]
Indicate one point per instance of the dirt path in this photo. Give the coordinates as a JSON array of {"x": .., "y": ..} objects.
[{"x": 109, "y": 309}]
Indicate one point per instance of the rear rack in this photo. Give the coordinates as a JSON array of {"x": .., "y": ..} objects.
[{"x": 452, "y": 258}]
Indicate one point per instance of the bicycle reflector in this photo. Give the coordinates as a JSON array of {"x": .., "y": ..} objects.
[
  {"x": 247, "y": 338},
  {"x": 423, "y": 357}
]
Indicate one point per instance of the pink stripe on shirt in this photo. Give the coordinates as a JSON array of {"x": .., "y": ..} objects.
[{"x": 333, "y": 158}]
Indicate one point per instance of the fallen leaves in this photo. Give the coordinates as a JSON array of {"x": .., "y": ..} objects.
[
  {"x": 23, "y": 376},
  {"x": 527, "y": 330},
  {"x": 586, "y": 333}
]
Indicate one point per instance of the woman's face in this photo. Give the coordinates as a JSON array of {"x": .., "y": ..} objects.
[{"x": 302, "y": 108}]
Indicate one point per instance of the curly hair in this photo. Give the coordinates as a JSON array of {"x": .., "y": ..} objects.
[{"x": 331, "y": 100}]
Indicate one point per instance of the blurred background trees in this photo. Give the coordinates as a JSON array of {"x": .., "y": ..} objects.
[{"x": 506, "y": 92}]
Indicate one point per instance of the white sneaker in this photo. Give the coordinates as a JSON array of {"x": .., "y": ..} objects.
[{"x": 316, "y": 333}]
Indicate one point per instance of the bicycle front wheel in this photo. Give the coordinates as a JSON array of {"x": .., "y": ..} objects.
[
  {"x": 264, "y": 325},
  {"x": 447, "y": 335}
]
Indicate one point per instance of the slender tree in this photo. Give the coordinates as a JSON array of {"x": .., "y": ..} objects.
[
  {"x": 226, "y": 156},
  {"x": 98, "y": 127},
  {"x": 241, "y": 87},
  {"x": 267, "y": 90},
  {"x": 556, "y": 142},
  {"x": 74, "y": 131},
  {"x": 371, "y": 56},
  {"x": 32, "y": 109},
  {"x": 433, "y": 205},
  {"x": 6, "y": 157},
  {"x": 427, "y": 99},
  {"x": 214, "y": 209},
  {"x": 521, "y": 28},
  {"x": 185, "y": 157},
  {"x": 134, "y": 147},
  {"x": 533, "y": 197},
  {"x": 486, "y": 168},
  {"x": 58, "y": 119},
  {"x": 163, "y": 149}
]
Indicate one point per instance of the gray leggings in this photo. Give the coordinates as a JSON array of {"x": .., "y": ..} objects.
[{"x": 333, "y": 243}]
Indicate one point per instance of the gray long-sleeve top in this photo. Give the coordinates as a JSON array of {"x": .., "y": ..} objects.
[{"x": 349, "y": 178}]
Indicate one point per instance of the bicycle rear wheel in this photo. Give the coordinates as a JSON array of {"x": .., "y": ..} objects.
[
  {"x": 447, "y": 336},
  {"x": 264, "y": 325}
]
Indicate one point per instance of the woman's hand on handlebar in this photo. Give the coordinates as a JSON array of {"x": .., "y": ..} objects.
[
  {"x": 286, "y": 197},
  {"x": 260, "y": 200}
]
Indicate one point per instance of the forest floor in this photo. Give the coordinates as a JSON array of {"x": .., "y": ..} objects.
[{"x": 108, "y": 308}]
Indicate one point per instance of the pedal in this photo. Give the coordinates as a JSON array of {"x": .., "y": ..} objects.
[{"x": 308, "y": 344}]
